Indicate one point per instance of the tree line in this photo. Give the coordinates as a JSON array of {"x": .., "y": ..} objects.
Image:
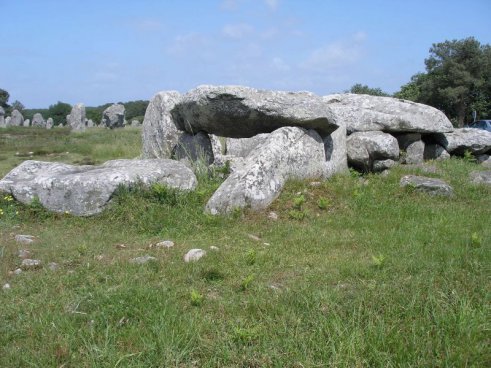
[{"x": 456, "y": 80}]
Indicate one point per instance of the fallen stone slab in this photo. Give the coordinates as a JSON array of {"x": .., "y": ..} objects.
[
  {"x": 362, "y": 113},
  {"x": 25, "y": 239},
  {"x": 288, "y": 153},
  {"x": 143, "y": 259},
  {"x": 481, "y": 177},
  {"x": 424, "y": 184},
  {"x": 476, "y": 141},
  {"x": 242, "y": 112},
  {"x": 86, "y": 190}
]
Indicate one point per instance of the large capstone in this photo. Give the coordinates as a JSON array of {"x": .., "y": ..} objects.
[
  {"x": 372, "y": 151},
  {"x": 159, "y": 133},
  {"x": 476, "y": 141},
  {"x": 76, "y": 119},
  {"x": 242, "y": 112},
  {"x": 288, "y": 153},
  {"x": 113, "y": 116},
  {"x": 363, "y": 113},
  {"x": 86, "y": 190}
]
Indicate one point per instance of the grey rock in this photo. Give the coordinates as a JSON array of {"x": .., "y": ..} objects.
[
  {"x": 242, "y": 112},
  {"x": 477, "y": 141},
  {"x": 143, "y": 259},
  {"x": 25, "y": 239},
  {"x": 27, "y": 123},
  {"x": 288, "y": 153},
  {"x": 6, "y": 287},
  {"x": 2, "y": 118},
  {"x": 194, "y": 255},
  {"x": 481, "y": 177},
  {"x": 135, "y": 123},
  {"x": 90, "y": 123},
  {"x": 76, "y": 119},
  {"x": 38, "y": 120},
  {"x": 165, "y": 244},
  {"x": 49, "y": 123},
  {"x": 413, "y": 147},
  {"x": 159, "y": 133},
  {"x": 273, "y": 216},
  {"x": 436, "y": 152},
  {"x": 17, "y": 271},
  {"x": 53, "y": 266},
  {"x": 24, "y": 253},
  {"x": 431, "y": 186},
  {"x": 7, "y": 121},
  {"x": 365, "y": 148},
  {"x": 336, "y": 152},
  {"x": 113, "y": 116},
  {"x": 241, "y": 147},
  {"x": 382, "y": 165},
  {"x": 216, "y": 145},
  {"x": 484, "y": 160},
  {"x": 85, "y": 190},
  {"x": 30, "y": 264},
  {"x": 16, "y": 119},
  {"x": 195, "y": 147},
  {"x": 368, "y": 113}
]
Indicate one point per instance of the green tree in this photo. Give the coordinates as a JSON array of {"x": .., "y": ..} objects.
[
  {"x": 59, "y": 111},
  {"x": 361, "y": 89},
  {"x": 457, "y": 80},
  {"x": 17, "y": 105},
  {"x": 4, "y": 98}
]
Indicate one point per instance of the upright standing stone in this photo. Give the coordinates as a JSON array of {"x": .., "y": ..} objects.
[
  {"x": 76, "y": 119},
  {"x": 38, "y": 120},
  {"x": 90, "y": 123},
  {"x": 16, "y": 118},
  {"x": 194, "y": 147},
  {"x": 49, "y": 123},
  {"x": 413, "y": 147},
  {"x": 372, "y": 151},
  {"x": 336, "y": 152},
  {"x": 159, "y": 134},
  {"x": 2, "y": 118},
  {"x": 7, "y": 121},
  {"x": 27, "y": 123},
  {"x": 113, "y": 116}
]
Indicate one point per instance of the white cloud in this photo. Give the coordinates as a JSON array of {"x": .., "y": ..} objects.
[
  {"x": 279, "y": 64},
  {"x": 336, "y": 54},
  {"x": 272, "y": 4},
  {"x": 237, "y": 31},
  {"x": 191, "y": 43}
]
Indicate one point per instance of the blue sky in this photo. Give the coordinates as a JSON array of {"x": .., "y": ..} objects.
[{"x": 107, "y": 51}]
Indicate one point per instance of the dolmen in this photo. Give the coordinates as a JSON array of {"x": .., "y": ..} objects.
[{"x": 266, "y": 138}]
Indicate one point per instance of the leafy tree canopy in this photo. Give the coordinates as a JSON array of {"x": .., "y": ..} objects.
[
  {"x": 58, "y": 112},
  {"x": 361, "y": 89},
  {"x": 457, "y": 80},
  {"x": 4, "y": 98}
]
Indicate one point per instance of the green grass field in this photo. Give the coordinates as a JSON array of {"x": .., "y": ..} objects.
[{"x": 356, "y": 272}]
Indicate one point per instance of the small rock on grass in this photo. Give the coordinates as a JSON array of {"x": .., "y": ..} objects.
[
  {"x": 431, "y": 186},
  {"x": 481, "y": 177},
  {"x": 25, "y": 239},
  {"x": 53, "y": 266},
  {"x": 193, "y": 255},
  {"x": 254, "y": 237},
  {"x": 143, "y": 259},
  {"x": 273, "y": 216},
  {"x": 30, "y": 264},
  {"x": 6, "y": 287},
  {"x": 214, "y": 248},
  {"x": 24, "y": 253},
  {"x": 163, "y": 244}
]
